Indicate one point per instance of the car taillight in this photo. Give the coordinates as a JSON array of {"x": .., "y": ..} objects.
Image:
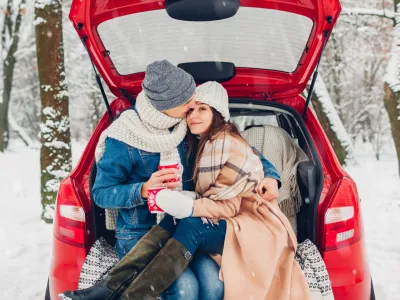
[
  {"x": 69, "y": 221},
  {"x": 342, "y": 220}
]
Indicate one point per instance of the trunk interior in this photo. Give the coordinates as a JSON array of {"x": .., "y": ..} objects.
[{"x": 246, "y": 114}]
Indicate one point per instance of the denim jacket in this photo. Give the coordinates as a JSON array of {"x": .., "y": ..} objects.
[{"x": 121, "y": 173}]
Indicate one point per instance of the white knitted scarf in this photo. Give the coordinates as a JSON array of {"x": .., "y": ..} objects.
[{"x": 148, "y": 130}]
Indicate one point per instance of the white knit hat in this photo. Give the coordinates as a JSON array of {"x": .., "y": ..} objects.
[{"x": 215, "y": 95}]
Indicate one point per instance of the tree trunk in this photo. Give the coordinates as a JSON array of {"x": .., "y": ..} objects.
[
  {"x": 392, "y": 84},
  {"x": 4, "y": 131},
  {"x": 8, "y": 74},
  {"x": 55, "y": 153},
  {"x": 392, "y": 78},
  {"x": 331, "y": 123},
  {"x": 336, "y": 74},
  {"x": 8, "y": 33},
  {"x": 392, "y": 105}
]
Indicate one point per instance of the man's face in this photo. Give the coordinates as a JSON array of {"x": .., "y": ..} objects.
[{"x": 181, "y": 111}]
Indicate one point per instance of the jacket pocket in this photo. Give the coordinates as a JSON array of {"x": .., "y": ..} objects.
[{"x": 150, "y": 161}]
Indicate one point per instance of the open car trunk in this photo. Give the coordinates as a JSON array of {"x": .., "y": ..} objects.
[
  {"x": 263, "y": 50},
  {"x": 246, "y": 114}
]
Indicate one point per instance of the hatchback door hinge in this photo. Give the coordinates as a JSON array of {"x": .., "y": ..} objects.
[{"x": 314, "y": 78}]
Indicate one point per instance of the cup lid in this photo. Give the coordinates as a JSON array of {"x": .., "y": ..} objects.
[
  {"x": 168, "y": 162},
  {"x": 156, "y": 187}
]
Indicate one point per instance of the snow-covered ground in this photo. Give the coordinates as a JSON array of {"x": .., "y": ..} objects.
[
  {"x": 25, "y": 241},
  {"x": 379, "y": 188}
]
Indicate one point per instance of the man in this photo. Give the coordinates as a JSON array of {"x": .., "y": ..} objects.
[{"x": 128, "y": 155}]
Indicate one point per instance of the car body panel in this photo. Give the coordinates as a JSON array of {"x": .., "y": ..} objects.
[{"x": 65, "y": 267}]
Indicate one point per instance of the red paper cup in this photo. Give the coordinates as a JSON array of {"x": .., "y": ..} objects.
[
  {"x": 151, "y": 199},
  {"x": 170, "y": 164}
]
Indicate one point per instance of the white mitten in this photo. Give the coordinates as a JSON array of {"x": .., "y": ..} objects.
[
  {"x": 189, "y": 194},
  {"x": 175, "y": 203}
]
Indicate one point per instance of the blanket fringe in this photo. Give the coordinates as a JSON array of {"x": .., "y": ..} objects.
[{"x": 291, "y": 206}]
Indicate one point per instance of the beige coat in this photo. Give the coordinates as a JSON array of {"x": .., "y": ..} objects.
[{"x": 258, "y": 256}]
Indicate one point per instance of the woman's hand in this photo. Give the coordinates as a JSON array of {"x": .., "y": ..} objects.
[
  {"x": 160, "y": 178},
  {"x": 175, "y": 203},
  {"x": 268, "y": 189}
]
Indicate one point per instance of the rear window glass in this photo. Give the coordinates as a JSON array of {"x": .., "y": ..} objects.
[{"x": 254, "y": 38}]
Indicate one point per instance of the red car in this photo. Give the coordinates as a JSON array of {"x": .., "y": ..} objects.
[{"x": 264, "y": 52}]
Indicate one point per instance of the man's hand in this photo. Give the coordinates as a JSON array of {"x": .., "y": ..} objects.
[
  {"x": 268, "y": 189},
  {"x": 160, "y": 178}
]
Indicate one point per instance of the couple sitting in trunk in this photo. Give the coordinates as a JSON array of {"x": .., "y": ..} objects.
[{"x": 227, "y": 239}]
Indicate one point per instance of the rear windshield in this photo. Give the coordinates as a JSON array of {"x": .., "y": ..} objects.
[{"x": 254, "y": 38}]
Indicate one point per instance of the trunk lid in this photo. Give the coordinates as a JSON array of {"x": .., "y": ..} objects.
[{"x": 274, "y": 45}]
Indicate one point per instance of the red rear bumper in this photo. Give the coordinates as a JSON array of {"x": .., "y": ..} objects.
[
  {"x": 347, "y": 267},
  {"x": 65, "y": 267},
  {"x": 349, "y": 272}
]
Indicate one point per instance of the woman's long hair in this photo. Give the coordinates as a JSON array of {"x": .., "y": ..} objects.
[{"x": 196, "y": 145}]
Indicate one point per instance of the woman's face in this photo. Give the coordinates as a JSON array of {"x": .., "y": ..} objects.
[{"x": 199, "y": 118}]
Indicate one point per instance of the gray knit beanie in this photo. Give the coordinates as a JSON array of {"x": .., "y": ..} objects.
[{"x": 167, "y": 86}]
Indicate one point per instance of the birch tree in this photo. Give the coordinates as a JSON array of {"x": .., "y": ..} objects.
[
  {"x": 392, "y": 83},
  {"x": 392, "y": 77},
  {"x": 55, "y": 154}
]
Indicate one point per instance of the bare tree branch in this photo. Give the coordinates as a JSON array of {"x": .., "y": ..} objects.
[
  {"x": 388, "y": 14},
  {"x": 8, "y": 20},
  {"x": 14, "y": 45},
  {"x": 7, "y": 24}
]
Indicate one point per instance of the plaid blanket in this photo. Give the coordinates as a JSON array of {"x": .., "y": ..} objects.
[{"x": 228, "y": 168}]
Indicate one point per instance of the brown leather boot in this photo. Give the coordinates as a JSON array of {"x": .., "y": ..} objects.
[
  {"x": 127, "y": 269},
  {"x": 130, "y": 266},
  {"x": 163, "y": 270}
]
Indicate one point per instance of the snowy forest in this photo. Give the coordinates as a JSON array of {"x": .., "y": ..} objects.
[{"x": 50, "y": 104}]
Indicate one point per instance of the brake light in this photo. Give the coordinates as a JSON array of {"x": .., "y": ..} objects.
[
  {"x": 70, "y": 220},
  {"x": 72, "y": 212},
  {"x": 342, "y": 219}
]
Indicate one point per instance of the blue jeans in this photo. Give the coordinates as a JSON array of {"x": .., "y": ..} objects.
[
  {"x": 198, "y": 282},
  {"x": 200, "y": 239},
  {"x": 196, "y": 235},
  {"x": 207, "y": 271}
]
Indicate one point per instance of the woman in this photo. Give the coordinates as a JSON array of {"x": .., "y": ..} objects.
[{"x": 252, "y": 240}]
